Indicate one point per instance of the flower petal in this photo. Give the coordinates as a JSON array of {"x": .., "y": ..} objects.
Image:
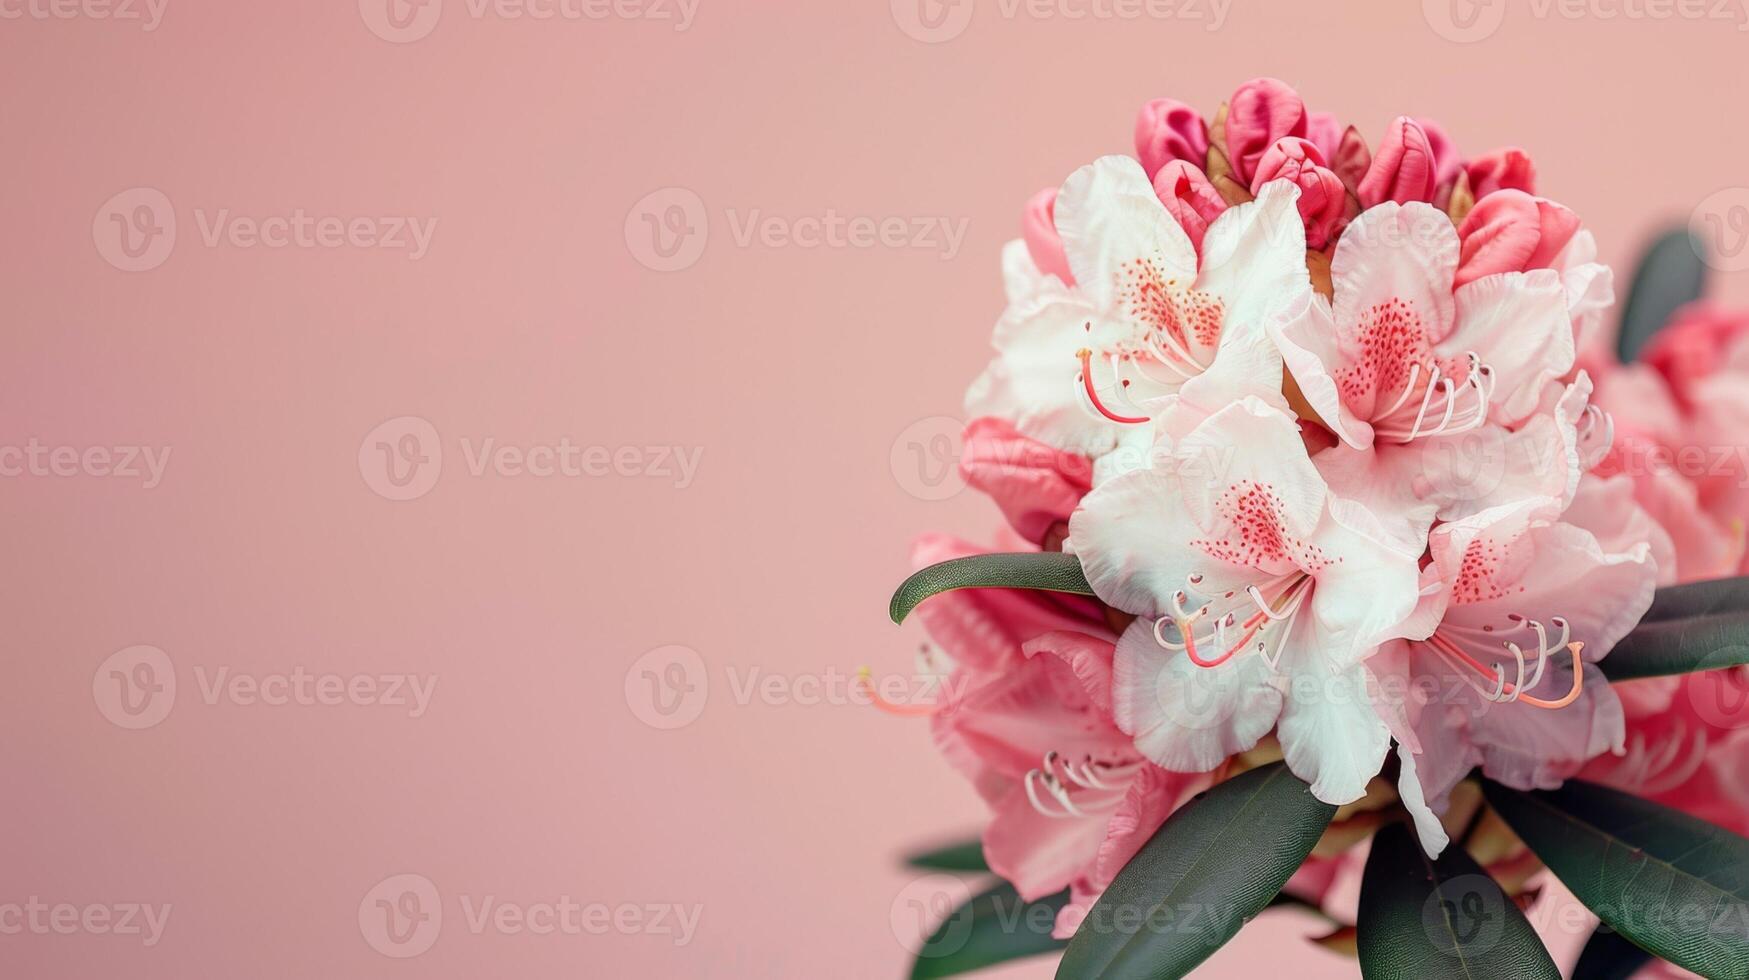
[
  {"x": 1188, "y": 718},
  {"x": 1518, "y": 324},
  {"x": 1330, "y": 733},
  {"x": 1117, "y": 235}
]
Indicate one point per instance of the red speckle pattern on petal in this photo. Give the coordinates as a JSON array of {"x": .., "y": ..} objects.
[
  {"x": 1166, "y": 305},
  {"x": 1478, "y": 575},
  {"x": 1392, "y": 337},
  {"x": 1255, "y": 537}
]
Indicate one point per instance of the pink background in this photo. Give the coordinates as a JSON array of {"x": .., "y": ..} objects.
[{"x": 799, "y": 373}]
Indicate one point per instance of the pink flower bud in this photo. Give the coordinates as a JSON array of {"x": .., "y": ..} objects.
[
  {"x": 1325, "y": 132},
  {"x": 1189, "y": 197},
  {"x": 1262, "y": 111},
  {"x": 1507, "y": 169},
  {"x": 1322, "y": 196},
  {"x": 1446, "y": 161},
  {"x": 1168, "y": 130},
  {"x": 1352, "y": 160},
  {"x": 1510, "y": 231},
  {"x": 1403, "y": 170},
  {"x": 1039, "y": 227}
]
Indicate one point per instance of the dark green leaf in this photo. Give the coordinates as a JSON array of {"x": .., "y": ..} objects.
[
  {"x": 994, "y": 927},
  {"x": 1049, "y": 571},
  {"x": 1608, "y": 956},
  {"x": 966, "y": 856},
  {"x": 1700, "y": 626},
  {"x": 1676, "y": 886},
  {"x": 1670, "y": 275},
  {"x": 1213, "y": 866},
  {"x": 1426, "y": 919}
]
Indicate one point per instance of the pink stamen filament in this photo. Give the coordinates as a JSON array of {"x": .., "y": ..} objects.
[
  {"x": 1508, "y": 691},
  {"x": 892, "y": 707},
  {"x": 1290, "y": 599},
  {"x": 1086, "y": 357}
]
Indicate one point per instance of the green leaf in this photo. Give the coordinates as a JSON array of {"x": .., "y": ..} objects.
[
  {"x": 994, "y": 927},
  {"x": 1213, "y": 866},
  {"x": 1426, "y": 919},
  {"x": 965, "y": 856},
  {"x": 1049, "y": 571},
  {"x": 1675, "y": 886},
  {"x": 1670, "y": 275},
  {"x": 1607, "y": 956},
  {"x": 1700, "y": 626}
]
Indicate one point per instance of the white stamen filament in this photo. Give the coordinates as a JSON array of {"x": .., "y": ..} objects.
[
  {"x": 1459, "y": 406},
  {"x": 1101, "y": 785}
]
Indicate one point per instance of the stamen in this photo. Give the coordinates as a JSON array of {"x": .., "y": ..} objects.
[
  {"x": 891, "y": 707},
  {"x": 1448, "y": 406},
  {"x": 1408, "y": 387},
  {"x": 1284, "y": 607},
  {"x": 1504, "y": 692},
  {"x": 1086, "y": 379}
]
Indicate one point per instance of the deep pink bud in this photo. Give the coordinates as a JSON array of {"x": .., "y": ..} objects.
[
  {"x": 1446, "y": 161},
  {"x": 1507, "y": 169},
  {"x": 1168, "y": 130},
  {"x": 1403, "y": 170},
  {"x": 1262, "y": 111},
  {"x": 1039, "y": 227},
  {"x": 1352, "y": 160},
  {"x": 1510, "y": 231},
  {"x": 1192, "y": 201},
  {"x": 1322, "y": 196},
  {"x": 1325, "y": 132}
]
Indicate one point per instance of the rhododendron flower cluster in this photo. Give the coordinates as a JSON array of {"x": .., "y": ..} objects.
[{"x": 1309, "y": 410}]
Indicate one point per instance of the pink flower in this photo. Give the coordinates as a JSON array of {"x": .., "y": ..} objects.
[
  {"x": 1682, "y": 459},
  {"x": 1447, "y": 162},
  {"x": 1700, "y": 340},
  {"x": 1526, "y": 605},
  {"x": 1687, "y": 745},
  {"x": 1168, "y": 130},
  {"x": 1039, "y": 226},
  {"x": 1028, "y": 721},
  {"x": 1510, "y": 231},
  {"x": 1085, "y": 369},
  {"x": 1036, "y": 486},
  {"x": 1400, "y": 355},
  {"x": 1260, "y": 594},
  {"x": 1189, "y": 197},
  {"x": 1404, "y": 169},
  {"x": 1262, "y": 111},
  {"x": 1325, "y": 132},
  {"x": 1323, "y": 200},
  {"x": 1502, "y": 170}
]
